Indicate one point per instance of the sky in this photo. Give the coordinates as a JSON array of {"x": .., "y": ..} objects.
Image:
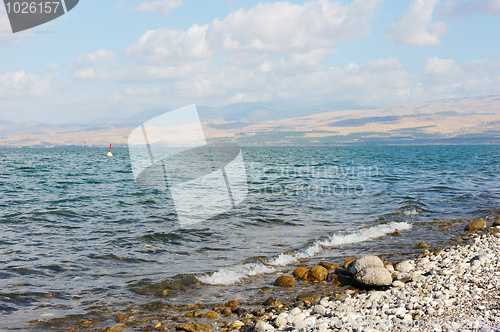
[{"x": 115, "y": 58}]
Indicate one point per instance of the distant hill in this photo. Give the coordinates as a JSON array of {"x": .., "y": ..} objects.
[
  {"x": 461, "y": 121},
  {"x": 241, "y": 112}
]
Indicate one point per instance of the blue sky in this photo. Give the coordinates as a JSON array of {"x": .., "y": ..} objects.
[{"x": 115, "y": 58}]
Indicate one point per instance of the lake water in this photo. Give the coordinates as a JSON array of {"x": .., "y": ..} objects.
[{"x": 77, "y": 231}]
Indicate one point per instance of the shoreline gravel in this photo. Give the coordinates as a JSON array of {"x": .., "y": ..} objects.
[{"x": 457, "y": 289}]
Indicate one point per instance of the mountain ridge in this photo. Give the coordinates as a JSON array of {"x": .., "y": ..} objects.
[{"x": 262, "y": 123}]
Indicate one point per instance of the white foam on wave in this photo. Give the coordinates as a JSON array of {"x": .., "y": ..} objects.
[
  {"x": 410, "y": 213},
  {"x": 360, "y": 235},
  {"x": 286, "y": 259},
  {"x": 364, "y": 234},
  {"x": 234, "y": 274}
]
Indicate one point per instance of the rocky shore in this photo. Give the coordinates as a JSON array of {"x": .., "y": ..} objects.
[{"x": 457, "y": 289}]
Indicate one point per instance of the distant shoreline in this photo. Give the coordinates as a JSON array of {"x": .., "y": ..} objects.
[{"x": 496, "y": 141}]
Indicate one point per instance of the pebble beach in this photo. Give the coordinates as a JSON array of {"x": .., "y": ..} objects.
[
  {"x": 451, "y": 289},
  {"x": 456, "y": 289}
]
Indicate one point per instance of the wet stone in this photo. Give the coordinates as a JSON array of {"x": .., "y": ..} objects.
[
  {"x": 272, "y": 302},
  {"x": 476, "y": 225},
  {"x": 285, "y": 281},
  {"x": 211, "y": 315},
  {"x": 232, "y": 304},
  {"x": 318, "y": 273},
  {"x": 193, "y": 314},
  {"x": 241, "y": 311},
  {"x": 195, "y": 327},
  {"x": 226, "y": 312},
  {"x": 309, "y": 298},
  {"x": 300, "y": 272},
  {"x": 329, "y": 266}
]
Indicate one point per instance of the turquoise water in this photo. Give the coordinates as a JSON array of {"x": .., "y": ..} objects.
[{"x": 77, "y": 231}]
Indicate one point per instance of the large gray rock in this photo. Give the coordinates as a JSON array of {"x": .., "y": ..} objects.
[
  {"x": 364, "y": 262},
  {"x": 373, "y": 276},
  {"x": 404, "y": 266},
  {"x": 262, "y": 326}
]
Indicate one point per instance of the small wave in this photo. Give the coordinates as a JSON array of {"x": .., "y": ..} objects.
[
  {"x": 234, "y": 274},
  {"x": 365, "y": 234},
  {"x": 338, "y": 240},
  {"x": 288, "y": 258}
]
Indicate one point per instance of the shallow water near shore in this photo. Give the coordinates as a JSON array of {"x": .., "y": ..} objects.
[{"x": 77, "y": 232}]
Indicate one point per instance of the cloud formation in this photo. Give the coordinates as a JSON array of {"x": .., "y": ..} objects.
[
  {"x": 444, "y": 77},
  {"x": 463, "y": 9},
  {"x": 282, "y": 27},
  {"x": 268, "y": 28},
  {"x": 164, "y": 7},
  {"x": 20, "y": 85},
  {"x": 416, "y": 27},
  {"x": 92, "y": 66},
  {"x": 171, "y": 46}
]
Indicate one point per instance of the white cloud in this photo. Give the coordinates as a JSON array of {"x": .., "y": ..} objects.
[
  {"x": 239, "y": 98},
  {"x": 52, "y": 68},
  {"x": 444, "y": 78},
  {"x": 282, "y": 27},
  {"x": 92, "y": 66},
  {"x": 164, "y": 7},
  {"x": 94, "y": 58},
  {"x": 463, "y": 9},
  {"x": 170, "y": 46},
  {"x": 19, "y": 85},
  {"x": 416, "y": 27},
  {"x": 267, "y": 28},
  {"x": 302, "y": 33}
]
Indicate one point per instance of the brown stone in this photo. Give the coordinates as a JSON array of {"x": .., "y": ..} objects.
[
  {"x": 493, "y": 230},
  {"x": 300, "y": 272},
  {"x": 193, "y": 314},
  {"x": 211, "y": 315},
  {"x": 117, "y": 328},
  {"x": 232, "y": 304},
  {"x": 396, "y": 233},
  {"x": 285, "y": 281},
  {"x": 329, "y": 266},
  {"x": 496, "y": 222},
  {"x": 476, "y": 225},
  {"x": 226, "y": 312},
  {"x": 335, "y": 280},
  {"x": 122, "y": 318},
  {"x": 195, "y": 327},
  {"x": 348, "y": 261},
  {"x": 273, "y": 302},
  {"x": 309, "y": 298},
  {"x": 421, "y": 244},
  {"x": 318, "y": 273},
  {"x": 148, "y": 328}
]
